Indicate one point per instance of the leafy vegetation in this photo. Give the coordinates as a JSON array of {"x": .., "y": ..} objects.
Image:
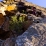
[{"x": 16, "y": 25}]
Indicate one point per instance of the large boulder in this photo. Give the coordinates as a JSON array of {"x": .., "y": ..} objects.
[{"x": 34, "y": 36}]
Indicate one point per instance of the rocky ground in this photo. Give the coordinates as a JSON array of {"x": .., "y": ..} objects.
[{"x": 35, "y": 35}]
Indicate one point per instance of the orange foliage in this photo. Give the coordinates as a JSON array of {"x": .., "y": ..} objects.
[{"x": 11, "y": 7}]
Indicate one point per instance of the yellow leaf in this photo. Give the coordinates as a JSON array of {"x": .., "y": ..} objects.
[{"x": 9, "y": 8}]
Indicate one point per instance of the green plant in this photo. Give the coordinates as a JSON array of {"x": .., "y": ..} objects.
[{"x": 16, "y": 25}]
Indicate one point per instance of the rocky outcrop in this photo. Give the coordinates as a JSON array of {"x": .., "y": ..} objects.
[
  {"x": 9, "y": 42},
  {"x": 34, "y": 36}
]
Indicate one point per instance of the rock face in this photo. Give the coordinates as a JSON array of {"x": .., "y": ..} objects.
[
  {"x": 1, "y": 41},
  {"x": 8, "y": 42},
  {"x": 34, "y": 36}
]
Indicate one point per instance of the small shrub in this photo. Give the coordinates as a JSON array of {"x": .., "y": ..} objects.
[{"x": 16, "y": 25}]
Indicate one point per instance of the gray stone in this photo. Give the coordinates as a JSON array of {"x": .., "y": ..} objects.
[
  {"x": 34, "y": 36},
  {"x": 9, "y": 42}
]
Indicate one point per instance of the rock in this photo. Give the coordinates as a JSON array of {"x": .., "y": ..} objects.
[
  {"x": 34, "y": 36},
  {"x": 9, "y": 42},
  {"x": 27, "y": 24},
  {"x": 1, "y": 41},
  {"x": 36, "y": 19}
]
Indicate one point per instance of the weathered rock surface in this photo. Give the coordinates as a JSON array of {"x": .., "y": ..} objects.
[
  {"x": 34, "y": 36},
  {"x": 1, "y": 41},
  {"x": 9, "y": 42}
]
